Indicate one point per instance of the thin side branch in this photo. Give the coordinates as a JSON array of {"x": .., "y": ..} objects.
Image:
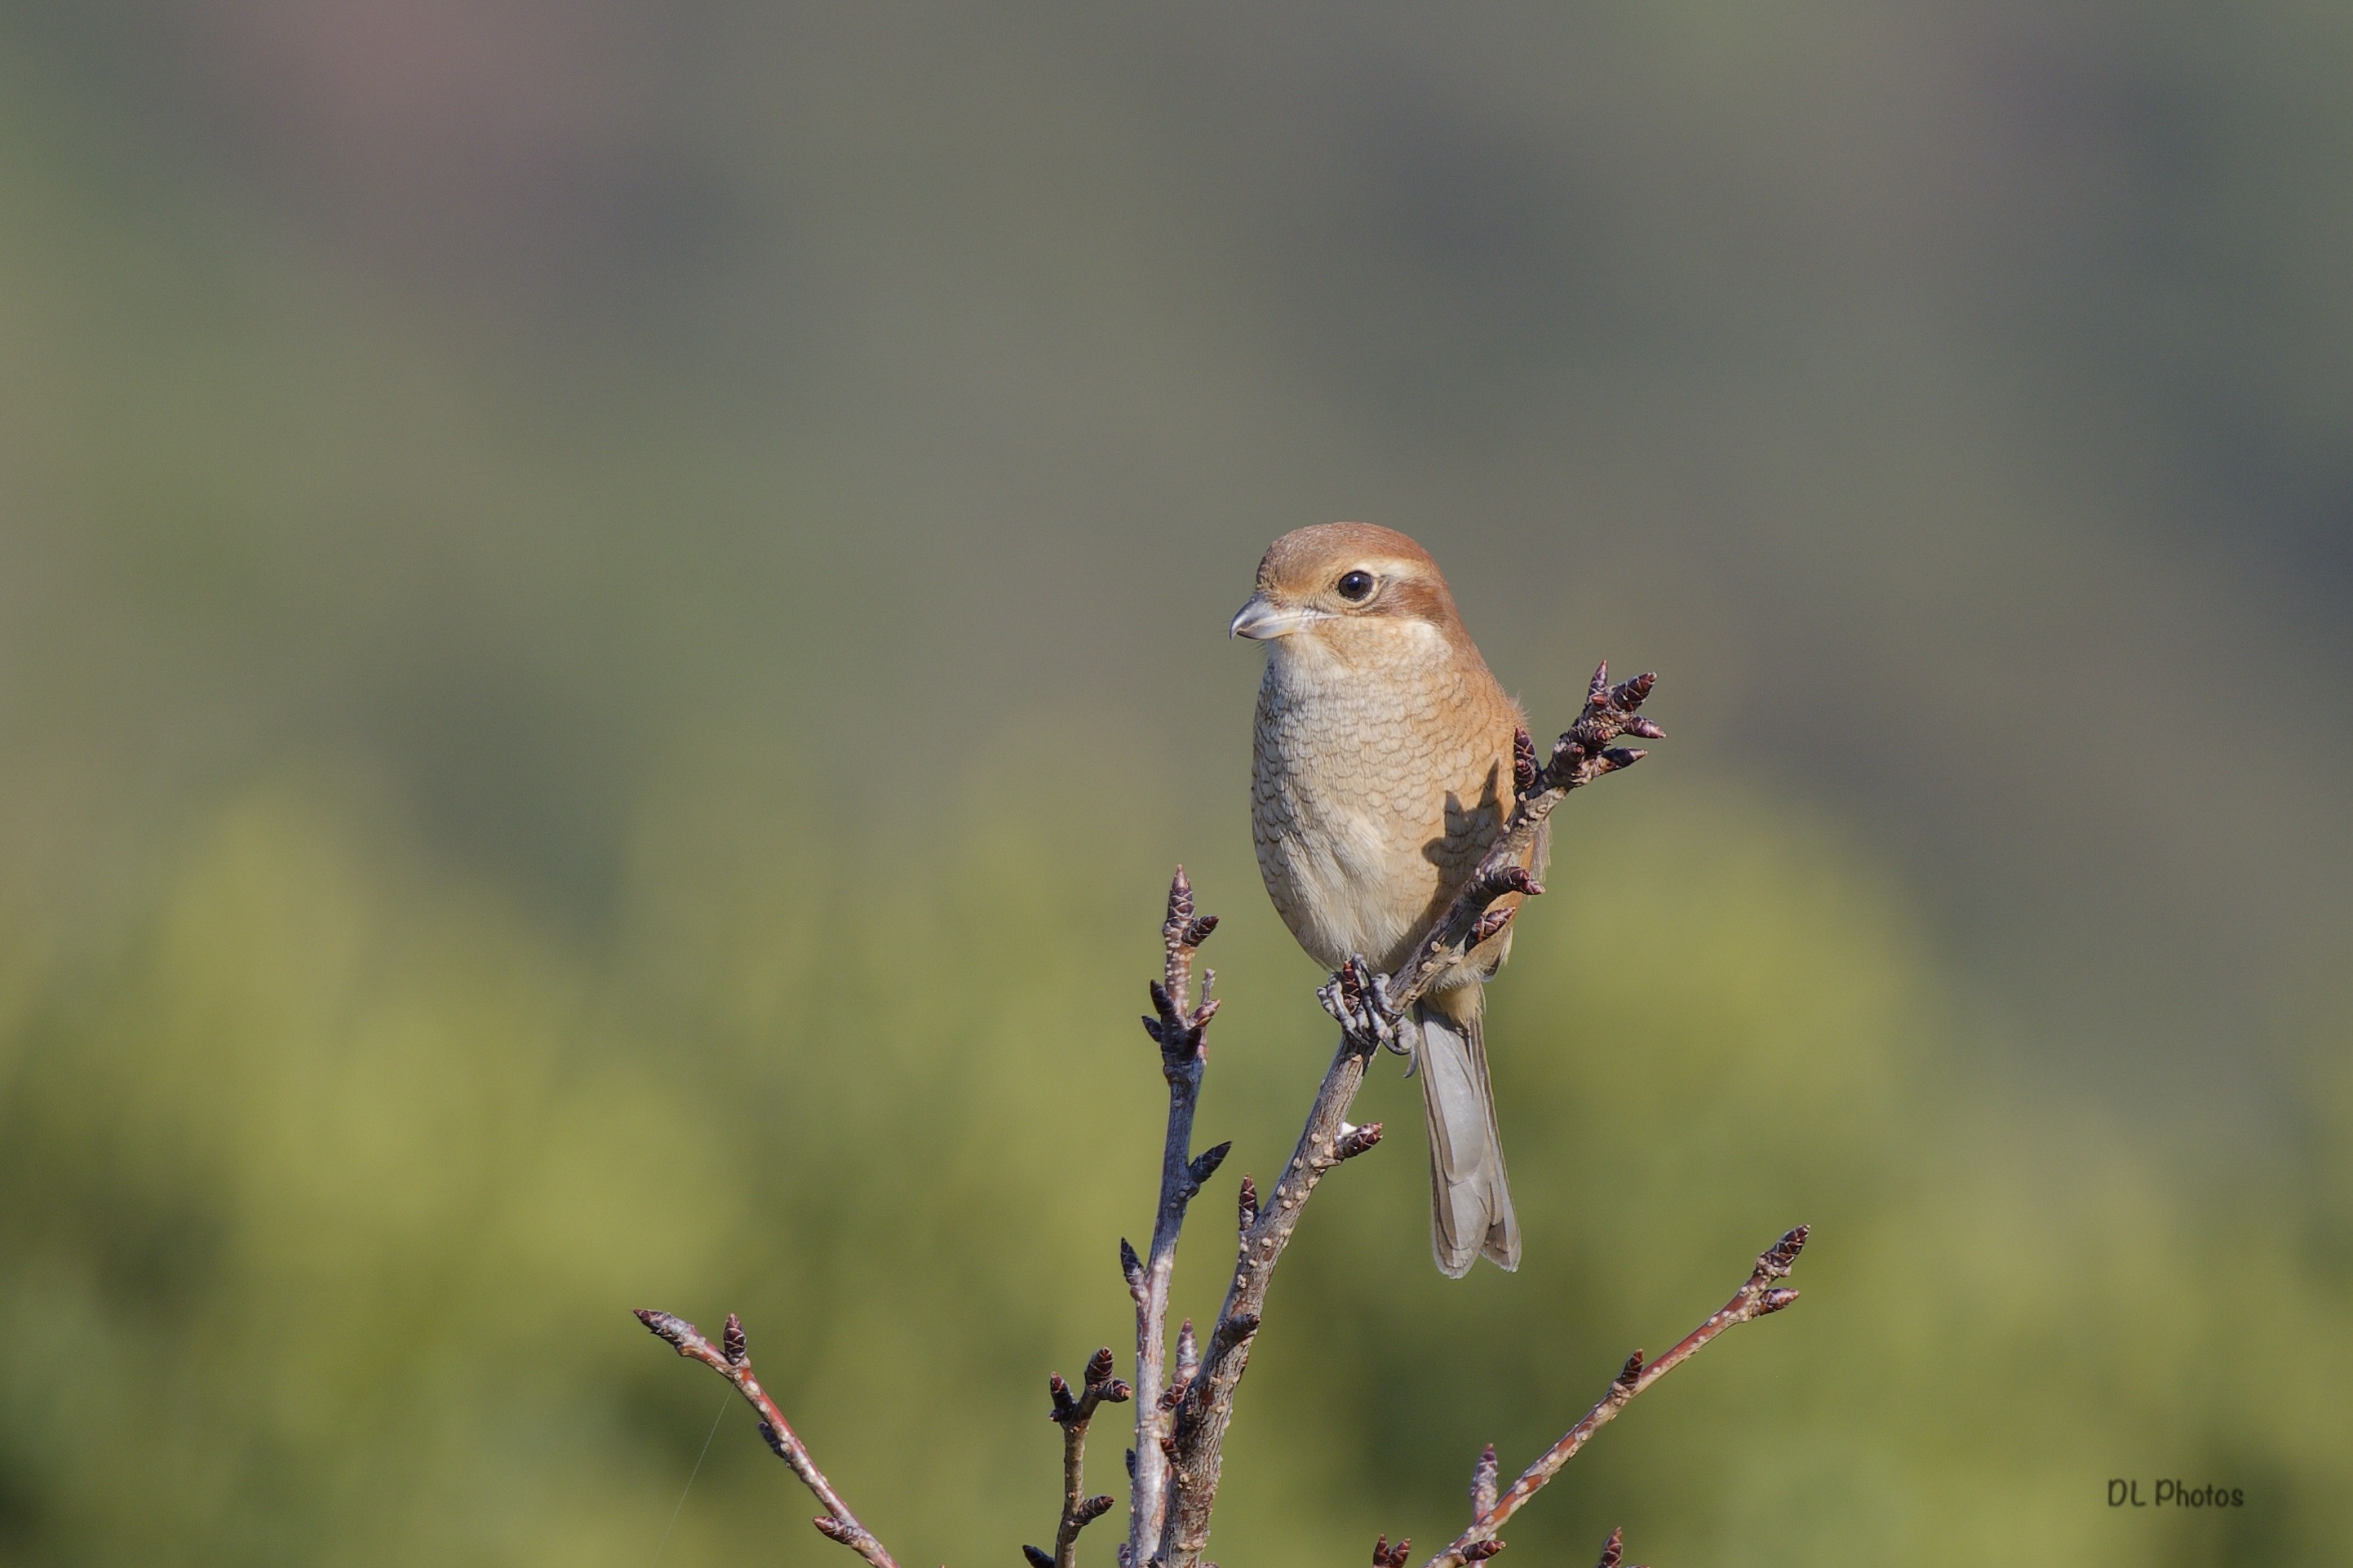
[
  {"x": 1181, "y": 1028},
  {"x": 1205, "y": 1405},
  {"x": 1579, "y": 756},
  {"x": 1758, "y": 1297},
  {"x": 1072, "y": 1413},
  {"x": 733, "y": 1362}
]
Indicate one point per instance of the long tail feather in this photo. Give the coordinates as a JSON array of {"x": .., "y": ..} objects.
[{"x": 1470, "y": 1196}]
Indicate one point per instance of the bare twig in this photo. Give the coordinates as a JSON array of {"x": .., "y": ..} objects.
[
  {"x": 1072, "y": 1413},
  {"x": 1183, "y": 1411},
  {"x": 1758, "y": 1296},
  {"x": 1581, "y": 755},
  {"x": 1205, "y": 1405},
  {"x": 1181, "y": 1028},
  {"x": 732, "y": 1360},
  {"x": 1371, "y": 1009}
]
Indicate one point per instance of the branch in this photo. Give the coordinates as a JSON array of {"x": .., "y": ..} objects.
[
  {"x": 1370, "y": 1009},
  {"x": 1581, "y": 755},
  {"x": 1181, "y": 1423},
  {"x": 1205, "y": 1402},
  {"x": 1758, "y": 1298},
  {"x": 1181, "y": 1032},
  {"x": 733, "y": 1362},
  {"x": 1079, "y": 1511}
]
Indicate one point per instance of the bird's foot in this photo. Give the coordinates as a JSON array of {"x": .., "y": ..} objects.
[{"x": 1357, "y": 997}]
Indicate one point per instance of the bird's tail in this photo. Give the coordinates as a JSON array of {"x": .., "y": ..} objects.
[{"x": 1470, "y": 1197}]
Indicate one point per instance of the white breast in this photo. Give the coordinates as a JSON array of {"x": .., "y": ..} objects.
[{"x": 1337, "y": 813}]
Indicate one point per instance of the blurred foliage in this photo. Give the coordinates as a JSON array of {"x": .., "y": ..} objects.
[
  {"x": 1948, "y": 399},
  {"x": 324, "y": 1199},
  {"x": 608, "y": 623}
]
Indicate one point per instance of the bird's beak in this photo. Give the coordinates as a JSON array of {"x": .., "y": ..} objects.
[{"x": 1262, "y": 621}]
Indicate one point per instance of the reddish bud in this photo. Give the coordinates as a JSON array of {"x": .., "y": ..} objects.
[{"x": 1784, "y": 1252}]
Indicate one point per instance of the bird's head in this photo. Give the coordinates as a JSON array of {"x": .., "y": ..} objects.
[{"x": 1349, "y": 590}]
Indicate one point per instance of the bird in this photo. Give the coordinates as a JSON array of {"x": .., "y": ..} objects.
[{"x": 1381, "y": 772}]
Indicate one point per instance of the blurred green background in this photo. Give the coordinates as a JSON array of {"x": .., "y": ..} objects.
[{"x": 612, "y": 618}]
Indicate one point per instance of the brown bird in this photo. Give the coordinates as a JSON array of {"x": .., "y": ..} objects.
[{"x": 1381, "y": 771}]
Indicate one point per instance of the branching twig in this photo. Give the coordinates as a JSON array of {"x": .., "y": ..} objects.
[
  {"x": 1580, "y": 756},
  {"x": 1371, "y": 1009},
  {"x": 1181, "y": 1028},
  {"x": 1758, "y": 1296},
  {"x": 1205, "y": 1406},
  {"x": 732, "y": 1360},
  {"x": 1072, "y": 1413},
  {"x": 1181, "y": 1419}
]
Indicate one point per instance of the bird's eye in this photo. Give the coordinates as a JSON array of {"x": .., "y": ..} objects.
[{"x": 1356, "y": 586}]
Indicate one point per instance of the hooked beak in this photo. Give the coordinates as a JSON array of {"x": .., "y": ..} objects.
[{"x": 1263, "y": 621}]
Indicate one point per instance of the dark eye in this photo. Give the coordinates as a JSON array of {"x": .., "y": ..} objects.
[{"x": 1356, "y": 586}]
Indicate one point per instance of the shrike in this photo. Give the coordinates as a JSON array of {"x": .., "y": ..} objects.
[{"x": 1381, "y": 771}]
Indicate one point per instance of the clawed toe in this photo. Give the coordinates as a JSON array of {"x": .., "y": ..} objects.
[{"x": 1358, "y": 997}]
